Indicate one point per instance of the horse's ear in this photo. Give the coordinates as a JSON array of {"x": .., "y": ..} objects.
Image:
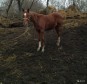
[
  {"x": 28, "y": 10},
  {"x": 22, "y": 9}
]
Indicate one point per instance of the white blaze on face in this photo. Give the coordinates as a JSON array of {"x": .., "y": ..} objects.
[{"x": 25, "y": 14}]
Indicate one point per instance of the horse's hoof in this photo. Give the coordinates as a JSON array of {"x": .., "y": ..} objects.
[
  {"x": 58, "y": 44},
  {"x": 38, "y": 49},
  {"x": 60, "y": 47},
  {"x": 42, "y": 50}
]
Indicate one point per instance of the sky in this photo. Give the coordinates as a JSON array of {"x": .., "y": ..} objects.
[
  {"x": 43, "y": 1},
  {"x": 66, "y": 3},
  {"x": 1, "y": 1}
]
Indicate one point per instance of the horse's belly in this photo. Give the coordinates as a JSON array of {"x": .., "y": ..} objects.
[
  {"x": 50, "y": 27},
  {"x": 46, "y": 29}
]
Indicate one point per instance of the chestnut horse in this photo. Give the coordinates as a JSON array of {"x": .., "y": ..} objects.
[{"x": 42, "y": 23}]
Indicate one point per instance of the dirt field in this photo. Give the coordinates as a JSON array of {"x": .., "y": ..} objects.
[{"x": 20, "y": 63}]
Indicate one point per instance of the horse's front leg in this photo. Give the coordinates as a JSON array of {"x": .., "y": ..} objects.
[
  {"x": 42, "y": 41},
  {"x": 39, "y": 43}
]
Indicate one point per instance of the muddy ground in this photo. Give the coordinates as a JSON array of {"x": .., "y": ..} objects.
[{"x": 20, "y": 63}]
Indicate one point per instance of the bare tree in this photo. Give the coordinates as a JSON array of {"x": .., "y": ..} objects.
[
  {"x": 9, "y": 6},
  {"x": 19, "y": 2},
  {"x": 82, "y": 4}
]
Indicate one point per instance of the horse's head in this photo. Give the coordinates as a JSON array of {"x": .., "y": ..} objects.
[{"x": 26, "y": 17}]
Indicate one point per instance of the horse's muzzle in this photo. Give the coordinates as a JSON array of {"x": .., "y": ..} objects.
[{"x": 25, "y": 22}]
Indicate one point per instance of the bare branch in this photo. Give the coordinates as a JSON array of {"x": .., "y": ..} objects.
[
  {"x": 9, "y": 6},
  {"x": 31, "y": 5},
  {"x": 19, "y": 5},
  {"x": 26, "y": 31}
]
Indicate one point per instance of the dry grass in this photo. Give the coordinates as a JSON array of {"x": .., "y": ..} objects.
[{"x": 21, "y": 64}]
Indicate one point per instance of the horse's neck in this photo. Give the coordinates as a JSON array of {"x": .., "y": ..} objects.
[{"x": 34, "y": 18}]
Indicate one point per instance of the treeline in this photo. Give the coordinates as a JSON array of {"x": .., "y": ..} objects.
[
  {"x": 14, "y": 7},
  {"x": 81, "y": 4}
]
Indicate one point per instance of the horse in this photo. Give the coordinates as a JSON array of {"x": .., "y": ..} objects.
[{"x": 43, "y": 23}]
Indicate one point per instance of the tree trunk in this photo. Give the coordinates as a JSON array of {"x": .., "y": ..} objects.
[
  {"x": 47, "y": 3},
  {"x": 9, "y": 6},
  {"x": 19, "y": 2}
]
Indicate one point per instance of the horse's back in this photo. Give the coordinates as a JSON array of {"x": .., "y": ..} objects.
[{"x": 48, "y": 21}]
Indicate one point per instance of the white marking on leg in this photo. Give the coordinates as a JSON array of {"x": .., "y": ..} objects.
[
  {"x": 39, "y": 46},
  {"x": 43, "y": 49},
  {"x": 58, "y": 41}
]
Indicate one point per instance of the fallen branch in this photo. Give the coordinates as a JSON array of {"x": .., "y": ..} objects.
[
  {"x": 26, "y": 31},
  {"x": 14, "y": 41}
]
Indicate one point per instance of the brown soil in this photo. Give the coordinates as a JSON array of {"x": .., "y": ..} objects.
[{"x": 20, "y": 63}]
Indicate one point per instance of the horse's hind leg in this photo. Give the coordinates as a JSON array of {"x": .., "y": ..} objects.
[
  {"x": 39, "y": 43},
  {"x": 58, "y": 41},
  {"x": 59, "y": 31}
]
